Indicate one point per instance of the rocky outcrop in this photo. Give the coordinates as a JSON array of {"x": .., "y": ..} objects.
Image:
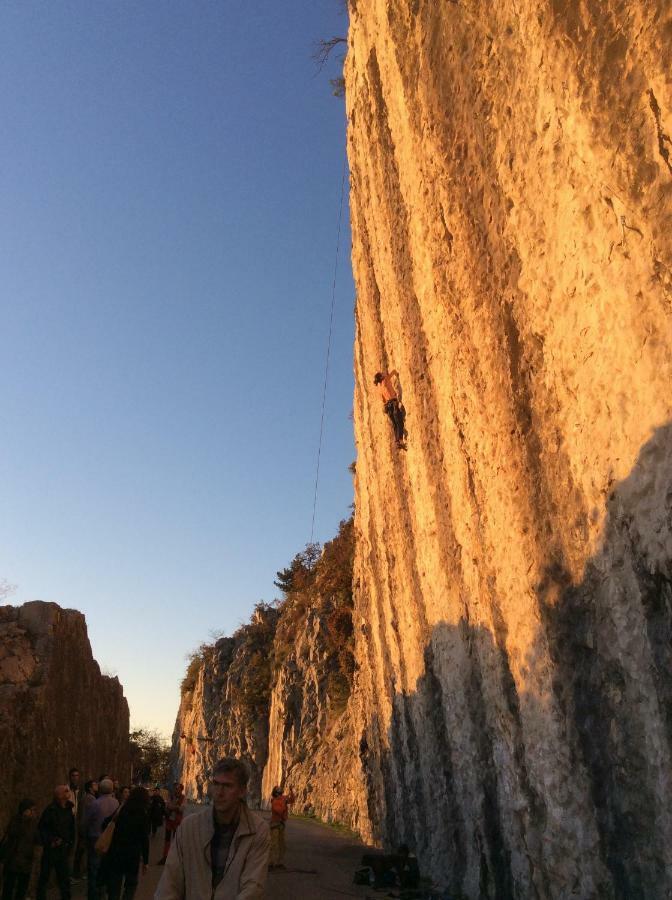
[
  {"x": 225, "y": 711},
  {"x": 312, "y": 749},
  {"x": 56, "y": 709},
  {"x": 511, "y": 197},
  {"x": 277, "y": 694}
]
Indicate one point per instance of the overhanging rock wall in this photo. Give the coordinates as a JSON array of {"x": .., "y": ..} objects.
[
  {"x": 511, "y": 184},
  {"x": 56, "y": 708}
]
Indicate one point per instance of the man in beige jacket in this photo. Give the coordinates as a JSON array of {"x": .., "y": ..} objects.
[{"x": 221, "y": 852}]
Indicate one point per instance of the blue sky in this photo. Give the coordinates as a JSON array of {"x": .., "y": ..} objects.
[{"x": 170, "y": 179}]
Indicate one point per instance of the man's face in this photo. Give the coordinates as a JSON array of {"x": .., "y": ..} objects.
[
  {"x": 74, "y": 779},
  {"x": 226, "y": 792}
]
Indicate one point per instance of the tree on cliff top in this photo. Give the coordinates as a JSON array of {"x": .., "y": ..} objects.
[{"x": 300, "y": 572}]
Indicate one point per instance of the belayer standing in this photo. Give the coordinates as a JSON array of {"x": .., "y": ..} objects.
[
  {"x": 391, "y": 403},
  {"x": 280, "y": 803}
]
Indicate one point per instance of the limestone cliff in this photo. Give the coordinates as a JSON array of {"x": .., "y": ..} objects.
[
  {"x": 224, "y": 710},
  {"x": 511, "y": 205},
  {"x": 276, "y": 694},
  {"x": 56, "y": 709}
]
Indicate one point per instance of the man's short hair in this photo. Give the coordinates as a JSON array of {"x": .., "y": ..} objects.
[{"x": 230, "y": 765}]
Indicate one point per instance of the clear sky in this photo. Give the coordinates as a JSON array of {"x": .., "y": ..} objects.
[{"x": 170, "y": 177}]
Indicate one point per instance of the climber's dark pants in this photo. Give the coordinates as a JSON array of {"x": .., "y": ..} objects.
[{"x": 394, "y": 411}]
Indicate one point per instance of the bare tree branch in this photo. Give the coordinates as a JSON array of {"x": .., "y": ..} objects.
[{"x": 323, "y": 49}]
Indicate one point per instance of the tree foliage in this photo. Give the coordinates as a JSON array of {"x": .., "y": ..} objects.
[{"x": 150, "y": 756}]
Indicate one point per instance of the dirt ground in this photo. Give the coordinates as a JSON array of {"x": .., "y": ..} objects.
[{"x": 320, "y": 866}]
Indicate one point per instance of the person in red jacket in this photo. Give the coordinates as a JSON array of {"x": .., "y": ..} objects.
[
  {"x": 280, "y": 804},
  {"x": 174, "y": 813}
]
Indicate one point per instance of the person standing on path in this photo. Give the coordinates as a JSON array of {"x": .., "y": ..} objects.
[
  {"x": 279, "y": 814},
  {"x": 76, "y": 796},
  {"x": 391, "y": 404},
  {"x": 130, "y": 844},
  {"x": 56, "y": 830},
  {"x": 88, "y": 797},
  {"x": 220, "y": 852},
  {"x": 18, "y": 852},
  {"x": 98, "y": 812},
  {"x": 157, "y": 810},
  {"x": 174, "y": 813}
]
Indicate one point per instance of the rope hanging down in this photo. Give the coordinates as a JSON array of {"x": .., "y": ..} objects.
[{"x": 326, "y": 368}]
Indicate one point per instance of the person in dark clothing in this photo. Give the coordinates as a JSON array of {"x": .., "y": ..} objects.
[
  {"x": 18, "y": 852},
  {"x": 130, "y": 844},
  {"x": 157, "y": 810},
  {"x": 56, "y": 831}
]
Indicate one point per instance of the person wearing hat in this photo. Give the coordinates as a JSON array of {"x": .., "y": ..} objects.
[
  {"x": 279, "y": 814},
  {"x": 391, "y": 404},
  {"x": 18, "y": 849}
]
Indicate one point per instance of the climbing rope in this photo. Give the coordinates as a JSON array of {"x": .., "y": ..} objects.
[{"x": 326, "y": 367}]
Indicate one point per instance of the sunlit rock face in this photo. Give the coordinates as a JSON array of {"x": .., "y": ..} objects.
[
  {"x": 312, "y": 750},
  {"x": 223, "y": 714},
  {"x": 277, "y": 695},
  {"x": 56, "y": 708},
  {"x": 511, "y": 184}
]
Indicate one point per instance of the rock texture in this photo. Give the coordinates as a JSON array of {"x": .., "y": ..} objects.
[
  {"x": 56, "y": 709},
  {"x": 511, "y": 185},
  {"x": 311, "y": 740},
  {"x": 277, "y": 694},
  {"x": 225, "y": 713}
]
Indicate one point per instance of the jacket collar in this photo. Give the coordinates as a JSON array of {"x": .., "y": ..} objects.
[{"x": 245, "y": 825}]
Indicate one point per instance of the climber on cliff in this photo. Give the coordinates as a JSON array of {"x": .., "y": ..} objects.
[{"x": 392, "y": 404}]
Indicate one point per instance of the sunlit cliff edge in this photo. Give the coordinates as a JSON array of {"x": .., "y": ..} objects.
[
  {"x": 511, "y": 176},
  {"x": 508, "y": 709}
]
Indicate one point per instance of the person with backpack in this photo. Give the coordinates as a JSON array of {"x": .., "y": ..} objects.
[{"x": 17, "y": 851}]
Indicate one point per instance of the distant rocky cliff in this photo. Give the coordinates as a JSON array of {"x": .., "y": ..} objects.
[
  {"x": 276, "y": 694},
  {"x": 56, "y": 709},
  {"x": 511, "y": 200}
]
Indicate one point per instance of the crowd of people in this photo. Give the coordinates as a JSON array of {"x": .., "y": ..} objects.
[
  {"x": 101, "y": 831},
  {"x": 98, "y": 831}
]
